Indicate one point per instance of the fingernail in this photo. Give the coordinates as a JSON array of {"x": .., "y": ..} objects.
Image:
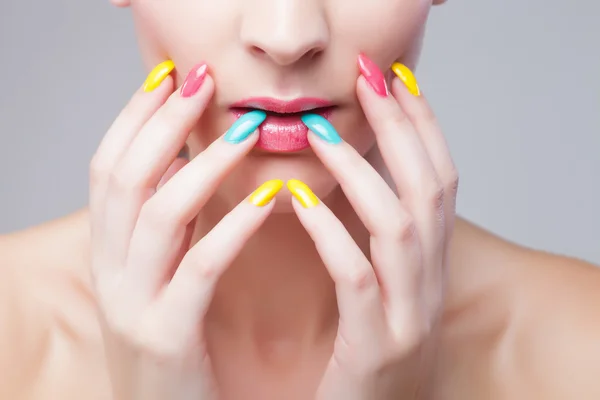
[
  {"x": 194, "y": 80},
  {"x": 406, "y": 76},
  {"x": 373, "y": 75},
  {"x": 244, "y": 126},
  {"x": 321, "y": 127},
  {"x": 158, "y": 74},
  {"x": 302, "y": 193},
  {"x": 265, "y": 192}
]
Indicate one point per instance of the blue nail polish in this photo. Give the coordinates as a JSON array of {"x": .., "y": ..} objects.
[
  {"x": 244, "y": 126},
  {"x": 322, "y": 128}
]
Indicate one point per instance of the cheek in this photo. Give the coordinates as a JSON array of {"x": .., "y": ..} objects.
[
  {"x": 383, "y": 29},
  {"x": 183, "y": 30}
]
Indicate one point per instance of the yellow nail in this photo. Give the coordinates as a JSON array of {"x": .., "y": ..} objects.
[
  {"x": 158, "y": 74},
  {"x": 302, "y": 193},
  {"x": 406, "y": 76},
  {"x": 265, "y": 192}
]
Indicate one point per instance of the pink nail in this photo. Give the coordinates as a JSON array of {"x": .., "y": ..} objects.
[
  {"x": 194, "y": 80},
  {"x": 373, "y": 75}
]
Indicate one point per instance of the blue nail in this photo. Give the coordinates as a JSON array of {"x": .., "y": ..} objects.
[
  {"x": 322, "y": 128},
  {"x": 244, "y": 126}
]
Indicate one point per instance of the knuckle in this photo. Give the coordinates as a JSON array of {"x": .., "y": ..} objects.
[
  {"x": 120, "y": 324},
  {"x": 206, "y": 269},
  {"x": 360, "y": 276},
  {"x": 452, "y": 181},
  {"x": 408, "y": 340},
  {"x": 159, "y": 349},
  {"x": 397, "y": 119},
  {"x": 435, "y": 196},
  {"x": 121, "y": 180},
  {"x": 403, "y": 229},
  {"x": 203, "y": 266},
  {"x": 99, "y": 170}
]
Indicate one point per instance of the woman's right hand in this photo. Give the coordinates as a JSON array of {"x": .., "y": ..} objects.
[{"x": 153, "y": 290}]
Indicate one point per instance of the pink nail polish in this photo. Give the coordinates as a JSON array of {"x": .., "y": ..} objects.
[
  {"x": 194, "y": 80},
  {"x": 373, "y": 75}
]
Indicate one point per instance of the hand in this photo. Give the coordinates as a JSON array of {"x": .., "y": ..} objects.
[
  {"x": 153, "y": 292},
  {"x": 389, "y": 307}
]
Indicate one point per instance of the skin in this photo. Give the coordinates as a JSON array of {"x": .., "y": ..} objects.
[{"x": 411, "y": 308}]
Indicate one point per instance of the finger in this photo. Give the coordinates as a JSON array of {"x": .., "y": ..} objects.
[
  {"x": 181, "y": 305},
  {"x": 164, "y": 217},
  {"x": 176, "y": 165},
  {"x": 135, "y": 178},
  {"x": 180, "y": 162},
  {"x": 395, "y": 246},
  {"x": 416, "y": 179},
  {"x": 362, "y": 317},
  {"x": 126, "y": 126},
  {"x": 400, "y": 147},
  {"x": 421, "y": 115}
]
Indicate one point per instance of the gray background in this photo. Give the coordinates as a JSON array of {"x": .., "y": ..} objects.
[{"x": 516, "y": 85}]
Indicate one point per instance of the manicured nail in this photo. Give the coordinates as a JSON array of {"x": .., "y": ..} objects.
[
  {"x": 373, "y": 75},
  {"x": 406, "y": 76},
  {"x": 194, "y": 80},
  {"x": 158, "y": 74},
  {"x": 265, "y": 192},
  {"x": 244, "y": 126},
  {"x": 321, "y": 127},
  {"x": 302, "y": 193}
]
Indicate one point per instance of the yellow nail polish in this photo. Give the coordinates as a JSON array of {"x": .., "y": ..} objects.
[
  {"x": 265, "y": 192},
  {"x": 406, "y": 76},
  {"x": 158, "y": 74},
  {"x": 302, "y": 193}
]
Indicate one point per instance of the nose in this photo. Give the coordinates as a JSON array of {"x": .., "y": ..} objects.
[{"x": 284, "y": 31}]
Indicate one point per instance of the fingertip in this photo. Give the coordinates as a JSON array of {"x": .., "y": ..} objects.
[
  {"x": 362, "y": 86},
  {"x": 158, "y": 75},
  {"x": 265, "y": 193},
  {"x": 163, "y": 89},
  {"x": 401, "y": 91},
  {"x": 244, "y": 128},
  {"x": 369, "y": 100}
]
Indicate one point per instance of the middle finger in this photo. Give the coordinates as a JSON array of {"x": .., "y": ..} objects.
[
  {"x": 394, "y": 244},
  {"x": 163, "y": 219},
  {"x": 140, "y": 169}
]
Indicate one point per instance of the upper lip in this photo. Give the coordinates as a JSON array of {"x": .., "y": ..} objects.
[{"x": 283, "y": 106}]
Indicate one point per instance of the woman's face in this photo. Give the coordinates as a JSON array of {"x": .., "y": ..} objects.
[{"x": 283, "y": 50}]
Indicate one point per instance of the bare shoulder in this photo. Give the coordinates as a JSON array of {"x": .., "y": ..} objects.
[
  {"x": 61, "y": 243},
  {"x": 48, "y": 329},
  {"x": 559, "y": 325},
  {"x": 531, "y": 320}
]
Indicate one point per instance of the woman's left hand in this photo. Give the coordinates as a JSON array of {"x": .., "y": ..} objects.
[{"x": 390, "y": 306}]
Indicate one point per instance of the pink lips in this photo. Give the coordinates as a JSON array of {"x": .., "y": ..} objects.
[{"x": 283, "y": 130}]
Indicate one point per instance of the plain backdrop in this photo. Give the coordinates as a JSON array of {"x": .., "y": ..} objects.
[{"x": 516, "y": 86}]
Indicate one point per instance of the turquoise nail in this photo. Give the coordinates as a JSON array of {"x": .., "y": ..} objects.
[
  {"x": 322, "y": 128},
  {"x": 244, "y": 126}
]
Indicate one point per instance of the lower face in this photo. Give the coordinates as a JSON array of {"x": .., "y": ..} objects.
[{"x": 287, "y": 58}]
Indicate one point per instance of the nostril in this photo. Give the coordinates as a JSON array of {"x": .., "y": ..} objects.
[
  {"x": 313, "y": 54},
  {"x": 257, "y": 51}
]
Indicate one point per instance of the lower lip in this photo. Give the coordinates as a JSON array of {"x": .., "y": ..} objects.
[{"x": 283, "y": 134}]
